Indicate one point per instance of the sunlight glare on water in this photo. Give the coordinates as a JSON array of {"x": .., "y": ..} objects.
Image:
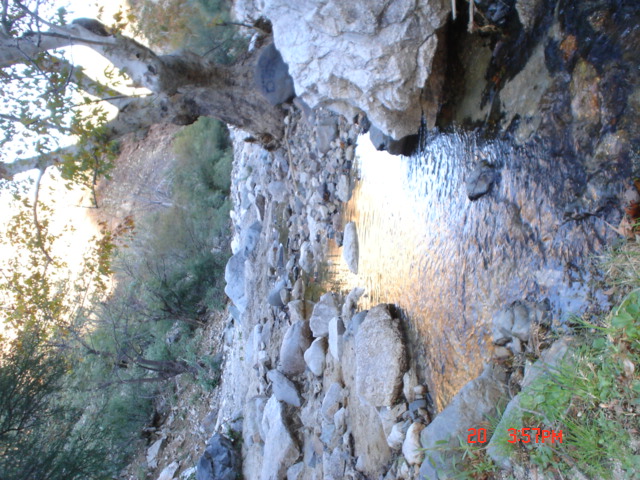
[{"x": 449, "y": 263}]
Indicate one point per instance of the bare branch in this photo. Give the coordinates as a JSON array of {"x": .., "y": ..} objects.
[{"x": 35, "y": 122}]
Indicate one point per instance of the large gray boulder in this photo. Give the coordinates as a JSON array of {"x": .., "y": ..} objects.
[
  {"x": 220, "y": 461},
  {"x": 362, "y": 55},
  {"x": 475, "y": 402},
  {"x": 381, "y": 357}
]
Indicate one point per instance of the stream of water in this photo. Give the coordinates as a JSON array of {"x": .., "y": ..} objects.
[{"x": 450, "y": 264}]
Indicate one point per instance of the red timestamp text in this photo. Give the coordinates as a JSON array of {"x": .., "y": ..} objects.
[
  {"x": 524, "y": 435},
  {"x": 537, "y": 435}
]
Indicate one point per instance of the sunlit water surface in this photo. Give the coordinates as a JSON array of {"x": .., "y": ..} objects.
[{"x": 449, "y": 263}]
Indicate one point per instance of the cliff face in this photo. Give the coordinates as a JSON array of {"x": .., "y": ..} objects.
[{"x": 360, "y": 56}]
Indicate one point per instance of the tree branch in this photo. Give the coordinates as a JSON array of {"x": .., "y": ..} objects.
[{"x": 40, "y": 240}]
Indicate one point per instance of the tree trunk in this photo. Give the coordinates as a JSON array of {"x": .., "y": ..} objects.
[{"x": 184, "y": 87}]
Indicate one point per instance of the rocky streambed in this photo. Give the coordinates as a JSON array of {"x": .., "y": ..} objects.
[{"x": 316, "y": 384}]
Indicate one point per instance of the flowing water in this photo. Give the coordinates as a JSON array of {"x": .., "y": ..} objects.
[{"x": 450, "y": 264}]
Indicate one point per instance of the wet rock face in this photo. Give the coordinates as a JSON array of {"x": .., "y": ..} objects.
[{"x": 363, "y": 55}]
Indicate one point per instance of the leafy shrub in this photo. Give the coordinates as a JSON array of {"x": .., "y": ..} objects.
[{"x": 201, "y": 26}]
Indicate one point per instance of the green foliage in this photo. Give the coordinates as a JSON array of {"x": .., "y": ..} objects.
[
  {"x": 40, "y": 434},
  {"x": 176, "y": 267},
  {"x": 593, "y": 396},
  {"x": 201, "y": 26}
]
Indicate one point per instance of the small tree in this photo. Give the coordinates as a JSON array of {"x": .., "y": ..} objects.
[{"x": 39, "y": 86}]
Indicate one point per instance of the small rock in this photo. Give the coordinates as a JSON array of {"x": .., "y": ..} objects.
[
  {"x": 339, "y": 420},
  {"x": 326, "y": 132},
  {"x": 323, "y": 312},
  {"x": 296, "y": 471},
  {"x": 188, "y": 473},
  {"x": 631, "y": 195},
  {"x": 234, "y": 276},
  {"x": 280, "y": 449},
  {"x": 397, "y": 435},
  {"x": 350, "y": 153},
  {"x": 152, "y": 453},
  {"x": 299, "y": 310},
  {"x": 315, "y": 356},
  {"x": 389, "y": 416},
  {"x": 169, "y": 471},
  {"x": 502, "y": 324},
  {"x": 297, "y": 292},
  {"x": 501, "y": 353},
  {"x": 336, "y": 341},
  {"x": 416, "y": 407},
  {"x": 409, "y": 383},
  {"x": 350, "y": 248},
  {"x": 411, "y": 447},
  {"x": 343, "y": 191},
  {"x": 272, "y": 76},
  {"x": 295, "y": 342},
  {"x": 420, "y": 391},
  {"x": 250, "y": 237},
  {"x": 331, "y": 402},
  {"x": 480, "y": 181},
  {"x": 285, "y": 297},
  {"x": 355, "y": 323},
  {"x": 515, "y": 346},
  {"x": 220, "y": 460},
  {"x": 284, "y": 389},
  {"x": 350, "y": 304},
  {"x": 278, "y": 190},
  {"x": 521, "y": 322},
  {"x": 306, "y": 258},
  {"x": 529, "y": 12},
  {"x": 274, "y": 299}
]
